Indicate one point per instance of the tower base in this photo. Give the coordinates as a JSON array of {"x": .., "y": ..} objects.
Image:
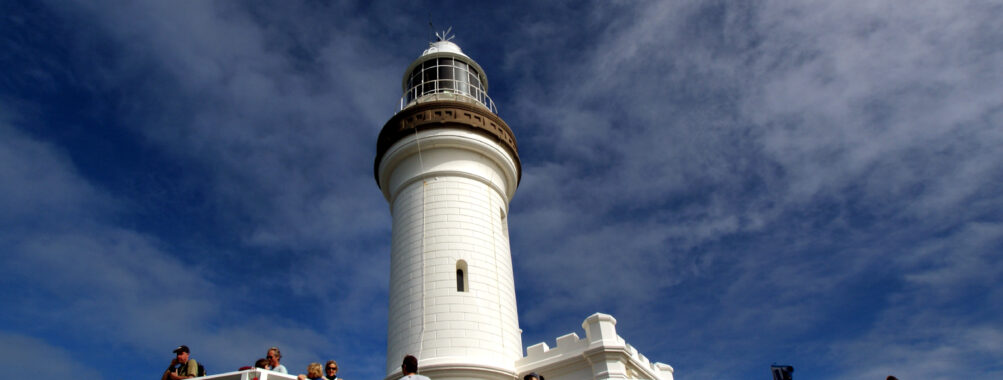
[{"x": 447, "y": 371}]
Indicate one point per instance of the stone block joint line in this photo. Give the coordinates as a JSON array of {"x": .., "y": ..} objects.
[{"x": 421, "y": 256}]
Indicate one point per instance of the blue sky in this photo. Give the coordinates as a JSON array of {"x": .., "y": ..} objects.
[{"x": 813, "y": 183}]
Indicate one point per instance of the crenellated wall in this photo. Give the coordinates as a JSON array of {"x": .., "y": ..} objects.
[{"x": 602, "y": 354}]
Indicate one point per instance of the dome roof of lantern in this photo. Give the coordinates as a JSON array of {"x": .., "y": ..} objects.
[{"x": 443, "y": 47}]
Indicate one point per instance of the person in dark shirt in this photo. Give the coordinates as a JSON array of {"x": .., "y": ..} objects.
[
  {"x": 331, "y": 370},
  {"x": 410, "y": 369}
]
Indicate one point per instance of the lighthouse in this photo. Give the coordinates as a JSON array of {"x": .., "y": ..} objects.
[{"x": 448, "y": 167}]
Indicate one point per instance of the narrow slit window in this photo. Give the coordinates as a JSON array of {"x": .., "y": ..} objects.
[
  {"x": 461, "y": 276},
  {"x": 504, "y": 223}
]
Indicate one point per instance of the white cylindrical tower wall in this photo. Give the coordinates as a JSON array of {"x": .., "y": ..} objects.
[
  {"x": 448, "y": 166},
  {"x": 449, "y": 191}
]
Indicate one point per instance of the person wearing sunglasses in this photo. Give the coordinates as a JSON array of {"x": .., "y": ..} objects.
[
  {"x": 273, "y": 356},
  {"x": 331, "y": 370}
]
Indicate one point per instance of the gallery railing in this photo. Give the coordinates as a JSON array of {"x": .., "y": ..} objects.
[{"x": 446, "y": 89}]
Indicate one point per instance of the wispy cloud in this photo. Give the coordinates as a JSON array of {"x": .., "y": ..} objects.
[
  {"x": 808, "y": 182},
  {"x": 775, "y": 159},
  {"x": 35, "y": 357},
  {"x": 70, "y": 268}
]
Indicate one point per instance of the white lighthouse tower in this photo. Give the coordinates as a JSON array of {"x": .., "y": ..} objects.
[{"x": 448, "y": 166}]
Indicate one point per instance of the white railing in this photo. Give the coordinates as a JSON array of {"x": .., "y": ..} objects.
[
  {"x": 250, "y": 374},
  {"x": 446, "y": 89}
]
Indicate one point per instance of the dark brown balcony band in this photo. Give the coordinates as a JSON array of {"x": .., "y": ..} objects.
[{"x": 445, "y": 114}]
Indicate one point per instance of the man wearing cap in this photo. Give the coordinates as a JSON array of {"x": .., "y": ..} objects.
[{"x": 182, "y": 367}]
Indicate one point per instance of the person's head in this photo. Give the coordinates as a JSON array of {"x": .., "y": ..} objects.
[
  {"x": 891, "y": 378},
  {"x": 313, "y": 370},
  {"x": 262, "y": 363},
  {"x": 410, "y": 365},
  {"x": 182, "y": 353},
  {"x": 273, "y": 356},
  {"x": 331, "y": 368},
  {"x": 532, "y": 376}
]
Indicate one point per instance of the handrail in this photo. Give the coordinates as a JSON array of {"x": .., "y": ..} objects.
[
  {"x": 250, "y": 374},
  {"x": 457, "y": 90}
]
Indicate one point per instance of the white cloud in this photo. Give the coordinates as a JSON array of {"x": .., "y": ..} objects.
[
  {"x": 728, "y": 173},
  {"x": 46, "y": 193},
  {"x": 280, "y": 137},
  {"x": 269, "y": 122},
  {"x": 31, "y": 357},
  {"x": 779, "y": 155},
  {"x": 112, "y": 287}
]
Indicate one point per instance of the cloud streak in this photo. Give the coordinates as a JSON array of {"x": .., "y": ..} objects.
[
  {"x": 808, "y": 182},
  {"x": 780, "y": 159}
]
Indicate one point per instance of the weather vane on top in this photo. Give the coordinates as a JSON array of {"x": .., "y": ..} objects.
[{"x": 443, "y": 35}]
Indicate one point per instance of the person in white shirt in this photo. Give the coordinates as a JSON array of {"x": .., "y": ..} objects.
[
  {"x": 410, "y": 369},
  {"x": 273, "y": 357}
]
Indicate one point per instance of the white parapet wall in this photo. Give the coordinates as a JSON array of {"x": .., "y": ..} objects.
[
  {"x": 250, "y": 374},
  {"x": 601, "y": 355}
]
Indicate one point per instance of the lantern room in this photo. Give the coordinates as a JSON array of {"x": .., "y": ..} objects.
[{"x": 443, "y": 72}]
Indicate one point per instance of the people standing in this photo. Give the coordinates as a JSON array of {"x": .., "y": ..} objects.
[
  {"x": 313, "y": 372},
  {"x": 273, "y": 356},
  {"x": 263, "y": 364},
  {"x": 182, "y": 366},
  {"x": 331, "y": 370},
  {"x": 410, "y": 369}
]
